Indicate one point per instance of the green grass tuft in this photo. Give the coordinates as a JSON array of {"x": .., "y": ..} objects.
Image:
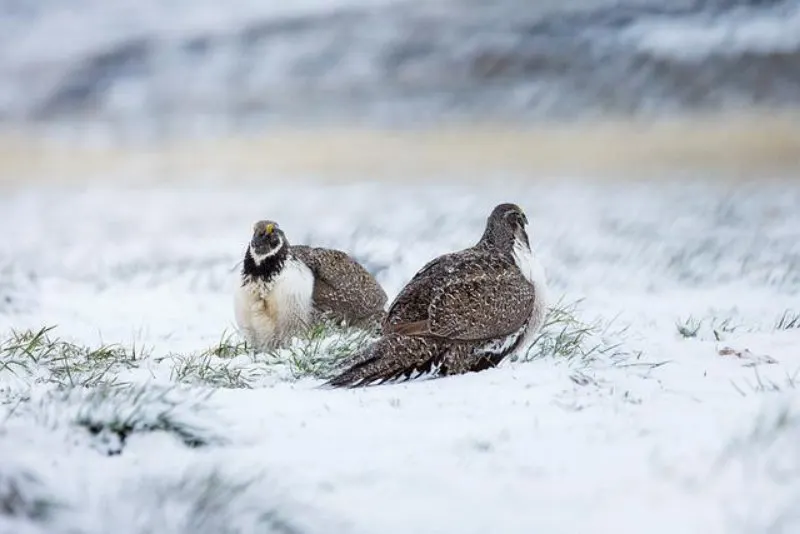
[
  {"x": 38, "y": 357},
  {"x": 323, "y": 351},
  {"x": 228, "y": 364},
  {"x": 204, "y": 369},
  {"x": 318, "y": 353},
  {"x": 564, "y": 336}
]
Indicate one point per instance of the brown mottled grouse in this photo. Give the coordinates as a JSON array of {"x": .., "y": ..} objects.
[
  {"x": 285, "y": 289},
  {"x": 462, "y": 312}
]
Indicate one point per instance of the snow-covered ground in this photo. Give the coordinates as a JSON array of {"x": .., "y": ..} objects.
[{"x": 678, "y": 412}]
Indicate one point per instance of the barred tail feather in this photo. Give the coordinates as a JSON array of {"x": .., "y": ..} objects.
[{"x": 393, "y": 358}]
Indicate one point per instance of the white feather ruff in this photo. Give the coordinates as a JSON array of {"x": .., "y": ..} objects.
[
  {"x": 268, "y": 313},
  {"x": 533, "y": 271}
]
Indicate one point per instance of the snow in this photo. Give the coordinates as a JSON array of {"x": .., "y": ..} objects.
[{"x": 663, "y": 433}]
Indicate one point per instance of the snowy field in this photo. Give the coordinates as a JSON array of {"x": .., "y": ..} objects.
[{"x": 660, "y": 398}]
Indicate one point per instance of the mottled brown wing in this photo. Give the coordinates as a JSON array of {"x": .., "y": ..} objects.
[
  {"x": 342, "y": 285},
  {"x": 481, "y": 305},
  {"x": 410, "y": 306},
  {"x": 469, "y": 296}
]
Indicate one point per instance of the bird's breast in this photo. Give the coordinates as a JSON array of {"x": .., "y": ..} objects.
[
  {"x": 291, "y": 292},
  {"x": 282, "y": 303},
  {"x": 528, "y": 264}
]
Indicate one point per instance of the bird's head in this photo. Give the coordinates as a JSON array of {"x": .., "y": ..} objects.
[
  {"x": 268, "y": 241},
  {"x": 505, "y": 225}
]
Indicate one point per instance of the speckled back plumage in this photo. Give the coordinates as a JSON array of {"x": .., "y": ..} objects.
[
  {"x": 466, "y": 296},
  {"x": 343, "y": 288},
  {"x": 462, "y": 312}
]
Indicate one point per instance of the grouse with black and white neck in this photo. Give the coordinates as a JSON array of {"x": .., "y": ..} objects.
[{"x": 285, "y": 289}]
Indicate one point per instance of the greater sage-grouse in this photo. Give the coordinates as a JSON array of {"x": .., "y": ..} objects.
[
  {"x": 286, "y": 289},
  {"x": 462, "y": 312}
]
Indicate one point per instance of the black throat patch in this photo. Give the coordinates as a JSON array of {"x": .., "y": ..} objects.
[{"x": 267, "y": 269}]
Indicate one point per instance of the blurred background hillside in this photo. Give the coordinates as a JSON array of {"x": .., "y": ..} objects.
[{"x": 164, "y": 89}]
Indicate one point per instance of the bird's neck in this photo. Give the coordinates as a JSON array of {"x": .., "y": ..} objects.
[
  {"x": 502, "y": 242},
  {"x": 263, "y": 268}
]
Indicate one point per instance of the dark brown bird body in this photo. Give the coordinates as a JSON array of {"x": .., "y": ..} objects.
[
  {"x": 343, "y": 289},
  {"x": 462, "y": 312}
]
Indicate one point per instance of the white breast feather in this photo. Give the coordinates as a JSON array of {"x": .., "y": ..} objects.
[
  {"x": 270, "y": 313},
  {"x": 533, "y": 271}
]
